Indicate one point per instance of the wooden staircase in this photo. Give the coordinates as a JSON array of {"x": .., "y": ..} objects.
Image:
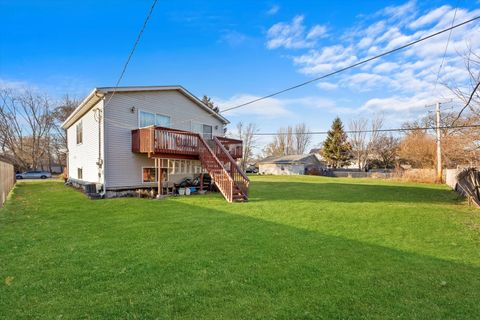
[
  {"x": 226, "y": 174},
  {"x": 217, "y": 156}
]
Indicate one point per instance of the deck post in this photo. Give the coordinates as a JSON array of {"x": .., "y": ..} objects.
[
  {"x": 159, "y": 178},
  {"x": 201, "y": 182}
]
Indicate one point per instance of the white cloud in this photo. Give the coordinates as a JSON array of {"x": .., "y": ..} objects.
[
  {"x": 327, "y": 85},
  {"x": 294, "y": 35},
  {"x": 270, "y": 107},
  {"x": 365, "y": 42},
  {"x": 385, "y": 67},
  {"x": 317, "y": 32},
  {"x": 273, "y": 10},
  {"x": 404, "y": 11},
  {"x": 278, "y": 107},
  {"x": 397, "y": 103},
  {"x": 325, "y": 60},
  {"x": 430, "y": 17},
  {"x": 233, "y": 38},
  {"x": 13, "y": 84}
]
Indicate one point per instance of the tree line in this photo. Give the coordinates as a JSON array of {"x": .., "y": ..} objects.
[
  {"x": 31, "y": 136},
  {"x": 367, "y": 146}
]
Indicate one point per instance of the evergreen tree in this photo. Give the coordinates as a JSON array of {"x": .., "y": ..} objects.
[
  {"x": 336, "y": 149},
  {"x": 209, "y": 103}
]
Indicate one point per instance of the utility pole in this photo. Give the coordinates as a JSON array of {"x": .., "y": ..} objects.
[{"x": 439, "y": 144}]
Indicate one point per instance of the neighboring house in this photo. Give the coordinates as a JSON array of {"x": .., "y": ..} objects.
[
  {"x": 291, "y": 165},
  {"x": 130, "y": 138}
]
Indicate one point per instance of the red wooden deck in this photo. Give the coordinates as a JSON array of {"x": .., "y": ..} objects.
[{"x": 173, "y": 143}]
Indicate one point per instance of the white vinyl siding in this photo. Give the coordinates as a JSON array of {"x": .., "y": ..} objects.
[
  {"x": 84, "y": 156},
  {"x": 123, "y": 168}
]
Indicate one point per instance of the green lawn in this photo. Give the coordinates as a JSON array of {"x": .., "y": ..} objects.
[{"x": 302, "y": 248}]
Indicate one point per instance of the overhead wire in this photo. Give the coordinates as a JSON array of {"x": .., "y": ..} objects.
[
  {"x": 343, "y": 69},
  {"x": 446, "y": 47},
  {"x": 421, "y": 39},
  {"x": 372, "y": 131},
  {"x": 351, "y": 66},
  {"x": 132, "y": 51}
]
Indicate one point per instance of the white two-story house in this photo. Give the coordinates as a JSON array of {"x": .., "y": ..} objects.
[{"x": 130, "y": 138}]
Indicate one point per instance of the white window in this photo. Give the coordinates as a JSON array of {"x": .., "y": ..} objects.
[
  {"x": 146, "y": 119},
  {"x": 79, "y": 173},
  {"x": 207, "y": 132},
  {"x": 161, "y": 120},
  {"x": 79, "y": 129},
  {"x": 204, "y": 129}
]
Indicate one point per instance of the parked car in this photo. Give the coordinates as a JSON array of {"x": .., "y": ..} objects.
[
  {"x": 251, "y": 170},
  {"x": 33, "y": 175}
]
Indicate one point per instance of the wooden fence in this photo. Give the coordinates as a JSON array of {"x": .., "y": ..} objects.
[
  {"x": 469, "y": 185},
  {"x": 7, "y": 180}
]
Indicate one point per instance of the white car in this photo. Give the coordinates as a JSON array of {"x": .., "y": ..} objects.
[{"x": 33, "y": 175}]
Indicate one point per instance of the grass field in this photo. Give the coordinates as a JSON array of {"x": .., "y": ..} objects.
[{"x": 302, "y": 248}]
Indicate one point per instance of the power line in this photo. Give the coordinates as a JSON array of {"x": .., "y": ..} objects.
[
  {"x": 371, "y": 131},
  {"x": 351, "y": 66},
  {"x": 132, "y": 51},
  {"x": 446, "y": 47}
]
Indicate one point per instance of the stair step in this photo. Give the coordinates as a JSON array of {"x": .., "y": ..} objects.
[{"x": 239, "y": 197}]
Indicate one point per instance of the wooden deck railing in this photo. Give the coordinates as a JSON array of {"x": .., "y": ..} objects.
[
  {"x": 175, "y": 142},
  {"x": 164, "y": 140},
  {"x": 143, "y": 140},
  {"x": 157, "y": 139},
  {"x": 240, "y": 179},
  {"x": 233, "y": 146},
  {"x": 215, "y": 169}
]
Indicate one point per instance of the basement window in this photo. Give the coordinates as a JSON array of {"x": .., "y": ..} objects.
[{"x": 149, "y": 174}]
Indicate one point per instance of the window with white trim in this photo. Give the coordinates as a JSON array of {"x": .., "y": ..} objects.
[
  {"x": 207, "y": 132},
  {"x": 204, "y": 129},
  {"x": 79, "y": 129},
  {"x": 146, "y": 119}
]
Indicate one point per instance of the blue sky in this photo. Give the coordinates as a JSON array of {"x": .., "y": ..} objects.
[{"x": 237, "y": 50}]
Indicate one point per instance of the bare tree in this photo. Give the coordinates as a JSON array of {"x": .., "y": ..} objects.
[
  {"x": 469, "y": 93},
  {"x": 246, "y": 133},
  {"x": 282, "y": 144},
  {"x": 302, "y": 138},
  {"x": 59, "y": 136},
  {"x": 25, "y": 126},
  {"x": 386, "y": 149},
  {"x": 364, "y": 143},
  {"x": 358, "y": 141}
]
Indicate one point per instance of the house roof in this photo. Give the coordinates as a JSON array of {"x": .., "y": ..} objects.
[
  {"x": 290, "y": 159},
  {"x": 98, "y": 93}
]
